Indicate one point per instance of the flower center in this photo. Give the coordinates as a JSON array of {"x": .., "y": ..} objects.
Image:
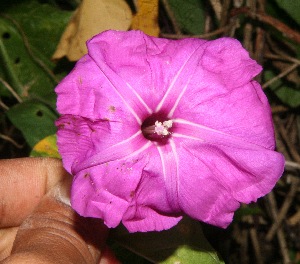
[{"x": 157, "y": 128}]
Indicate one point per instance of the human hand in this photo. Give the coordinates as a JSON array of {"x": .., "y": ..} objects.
[{"x": 37, "y": 224}]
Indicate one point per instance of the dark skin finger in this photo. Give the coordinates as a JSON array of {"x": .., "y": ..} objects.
[
  {"x": 24, "y": 182},
  {"x": 50, "y": 231}
]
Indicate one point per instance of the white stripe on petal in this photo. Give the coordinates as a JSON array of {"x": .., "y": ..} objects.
[
  {"x": 122, "y": 150},
  {"x": 140, "y": 99},
  {"x": 179, "y": 84},
  {"x": 170, "y": 163},
  {"x": 191, "y": 130}
]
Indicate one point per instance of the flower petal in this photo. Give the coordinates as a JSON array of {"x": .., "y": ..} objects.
[
  {"x": 121, "y": 150},
  {"x": 242, "y": 112},
  {"x": 139, "y": 218},
  {"x": 105, "y": 191},
  {"x": 201, "y": 195},
  {"x": 227, "y": 58},
  {"x": 84, "y": 143},
  {"x": 85, "y": 92},
  {"x": 229, "y": 169},
  {"x": 151, "y": 208},
  {"x": 74, "y": 138},
  {"x": 149, "y": 65},
  {"x": 247, "y": 170},
  {"x": 179, "y": 83},
  {"x": 220, "y": 148},
  {"x": 170, "y": 171}
]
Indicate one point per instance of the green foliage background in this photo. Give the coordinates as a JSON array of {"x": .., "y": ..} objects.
[{"x": 29, "y": 33}]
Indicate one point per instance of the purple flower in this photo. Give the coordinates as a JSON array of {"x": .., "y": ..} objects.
[{"x": 153, "y": 129}]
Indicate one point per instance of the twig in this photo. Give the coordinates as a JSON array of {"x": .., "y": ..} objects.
[
  {"x": 3, "y": 105},
  {"x": 6, "y": 138},
  {"x": 279, "y": 108},
  {"x": 293, "y": 220},
  {"x": 276, "y": 48},
  {"x": 171, "y": 16},
  {"x": 283, "y": 247},
  {"x": 217, "y": 7},
  {"x": 11, "y": 90},
  {"x": 244, "y": 254},
  {"x": 282, "y": 74},
  {"x": 254, "y": 238},
  {"x": 224, "y": 14},
  {"x": 237, "y": 3},
  {"x": 278, "y": 218},
  {"x": 282, "y": 57},
  {"x": 255, "y": 242},
  {"x": 261, "y": 5},
  {"x": 247, "y": 41},
  {"x": 259, "y": 45},
  {"x": 262, "y": 17},
  {"x": 284, "y": 208},
  {"x": 292, "y": 164},
  {"x": 256, "y": 246},
  {"x": 204, "y": 36},
  {"x": 290, "y": 124},
  {"x": 280, "y": 234},
  {"x": 260, "y": 40},
  {"x": 283, "y": 133}
]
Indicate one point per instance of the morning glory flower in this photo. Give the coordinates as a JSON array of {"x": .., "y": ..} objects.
[{"x": 153, "y": 129}]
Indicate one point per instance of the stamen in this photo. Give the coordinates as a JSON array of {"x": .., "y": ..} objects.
[{"x": 159, "y": 128}]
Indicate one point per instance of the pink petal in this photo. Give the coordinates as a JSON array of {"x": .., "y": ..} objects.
[
  {"x": 217, "y": 171},
  {"x": 150, "y": 65},
  {"x": 105, "y": 191},
  {"x": 227, "y": 58},
  {"x": 220, "y": 151},
  {"x": 86, "y": 92},
  {"x": 242, "y": 112},
  {"x": 201, "y": 195},
  {"x": 74, "y": 138},
  {"x": 151, "y": 208},
  {"x": 146, "y": 219},
  {"x": 120, "y": 150},
  {"x": 84, "y": 143}
]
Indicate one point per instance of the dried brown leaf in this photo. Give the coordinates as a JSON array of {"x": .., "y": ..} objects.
[
  {"x": 146, "y": 18},
  {"x": 91, "y": 18}
]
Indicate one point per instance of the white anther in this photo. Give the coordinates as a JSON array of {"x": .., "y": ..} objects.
[
  {"x": 168, "y": 124},
  {"x": 162, "y": 128}
]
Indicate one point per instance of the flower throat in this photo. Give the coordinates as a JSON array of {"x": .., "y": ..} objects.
[{"x": 157, "y": 128}]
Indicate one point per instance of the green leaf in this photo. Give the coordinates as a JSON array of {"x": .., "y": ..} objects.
[
  {"x": 19, "y": 69},
  {"x": 47, "y": 147},
  {"x": 184, "y": 243},
  {"x": 11, "y": 49},
  {"x": 35, "y": 120},
  {"x": 185, "y": 254},
  {"x": 29, "y": 34},
  {"x": 292, "y": 7},
  {"x": 189, "y": 14},
  {"x": 288, "y": 94},
  {"x": 42, "y": 23}
]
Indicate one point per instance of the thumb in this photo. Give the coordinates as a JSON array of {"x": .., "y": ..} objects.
[{"x": 54, "y": 233}]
